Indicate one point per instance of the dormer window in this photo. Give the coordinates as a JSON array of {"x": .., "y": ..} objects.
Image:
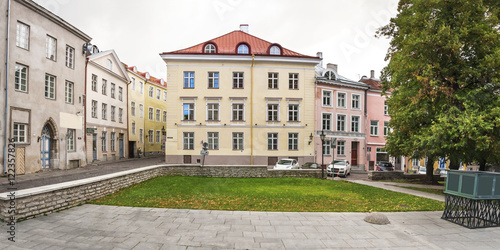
[
  {"x": 275, "y": 50},
  {"x": 210, "y": 49},
  {"x": 243, "y": 49},
  {"x": 330, "y": 75}
]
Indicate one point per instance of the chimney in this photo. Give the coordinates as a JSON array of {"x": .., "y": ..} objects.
[
  {"x": 244, "y": 28},
  {"x": 332, "y": 66},
  {"x": 320, "y": 55},
  {"x": 372, "y": 73}
]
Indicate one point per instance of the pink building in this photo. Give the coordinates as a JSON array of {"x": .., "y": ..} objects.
[{"x": 340, "y": 115}]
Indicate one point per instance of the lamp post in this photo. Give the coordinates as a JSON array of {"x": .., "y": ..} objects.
[{"x": 322, "y": 137}]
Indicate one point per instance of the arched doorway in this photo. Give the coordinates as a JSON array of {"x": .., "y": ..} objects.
[{"x": 45, "y": 140}]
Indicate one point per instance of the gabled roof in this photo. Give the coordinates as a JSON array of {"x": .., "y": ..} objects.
[
  {"x": 113, "y": 54},
  {"x": 375, "y": 84},
  {"x": 228, "y": 45},
  {"x": 146, "y": 76}
]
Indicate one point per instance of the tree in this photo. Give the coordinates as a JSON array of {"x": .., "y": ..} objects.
[{"x": 444, "y": 78}]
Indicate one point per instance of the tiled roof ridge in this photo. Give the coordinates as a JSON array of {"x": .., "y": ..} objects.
[{"x": 151, "y": 79}]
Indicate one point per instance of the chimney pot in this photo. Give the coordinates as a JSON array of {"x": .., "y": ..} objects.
[
  {"x": 244, "y": 28},
  {"x": 372, "y": 73}
]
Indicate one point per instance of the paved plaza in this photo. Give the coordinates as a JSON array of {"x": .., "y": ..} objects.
[{"x": 111, "y": 227}]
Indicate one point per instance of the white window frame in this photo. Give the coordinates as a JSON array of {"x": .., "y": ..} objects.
[
  {"x": 151, "y": 113},
  {"x": 327, "y": 148},
  {"x": 164, "y": 96},
  {"x": 340, "y": 148},
  {"x": 141, "y": 135},
  {"x": 238, "y": 80},
  {"x": 164, "y": 116},
  {"x": 386, "y": 108},
  {"x": 237, "y": 111},
  {"x": 151, "y": 91},
  {"x": 104, "y": 87},
  {"x": 50, "y": 85},
  {"x": 341, "y": 124},
  {"x": 329, "y": 124},
  {"x": 213, "y": 111},
  {"x": 243, "y": 49},
  {"x": 188, "y": 140},
  {"x": 189, "y": 76},
  {"x": 120, "y": 93},
  {"x": 158, "y": 115},
  {"x": 293, "y": 141},
  {"x": 94, "y": 108},
  {"x": 238, "y": 140},
  {"x": 133, "y": 128},
  {"x": 273, "y": 80},
  {"x": 213, "y": 140},
  {"x": 23, "y": 36},
  {"x": 113, "y": 90},
  {"x": 272, "y": 141},
  {"x": 158, "y": 136},
  {"x": 112, "y": 141},
  {"x": 151, "y": 136},
  {"x": 104, "y": 110},
  {"x": 386, "y": 128},
  {"x": 374, "y": 128},
  {"x": 94, "y": 82},
  {"x": 104, "y": 141},
  {"x": 141, "y": 87},
  {"x": 120, "y": 115},
  {"x": 69, "y": 92},
  {"x": 275, "y": 50},
  {"x": 21, "y": 78},
  {"x": 70, "y": 57},
  {"x": 357, "y": 102},
  {"x": 326, "y": 101},
  {"x": 275, "y": 112},
  {"x": 191, "y": 108},
  {"x": 158, "y": 94},
  {"x": 132, "y": 108},
  {"x": 71, "y": 146},
  {"x": 213, "y": 80},
  {"x": 132, "y": 84},
  {"x": 294, "y": 113},
  {"x": 51, "y": 48},
  {"x": 293, "y": 80},
  {"x": 344, "y": 100},
  {"x": 20, "y": 133},
  {"x": 358, "y": 122},
  {"x": 141, "y": 111},
  {"x": 113, "y": 113},
  {"x": 210, "y": 49}
]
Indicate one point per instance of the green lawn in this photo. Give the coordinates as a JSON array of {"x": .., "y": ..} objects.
[
  {"x": 265, "y": 194},
  {"x": 427, "y": 190}
]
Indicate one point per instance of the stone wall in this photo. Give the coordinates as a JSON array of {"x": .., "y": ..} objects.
[{"x": 397, "y": 175}]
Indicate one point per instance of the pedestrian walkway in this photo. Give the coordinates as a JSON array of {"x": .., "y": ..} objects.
[
  {"x": 399, "y": 187},
  {"x": 112, "y": 227}
]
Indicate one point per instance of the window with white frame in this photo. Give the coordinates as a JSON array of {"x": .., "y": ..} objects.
[
  {"x": 132, "y": 83},
  {"x": 158, "y": 136},
  {"x": 340, "y": 122},
  {"x": 327, "y": 148},
  {"x": 293, "y": 112},
  {"x": 341, "y": 100},
  {"x": 112, "y": 142},
  {"x": 132, "y": 108},
  {"x": 120, "y": 93},
  {"x": 164, "y": 116},
  {"x": 104, "y": 141},
  {"x": 272, "y": 80},
  {"x": 213, "y": 140},
  {"x": 158, "y": 115},
  {"x": 151, "y": 91},
  {"x": 243, "y": 49},
  {"x": 272, "y": 141},
  {"x": 21, "y": 78},
  {"x": 386, "y": 108},
  {"x": 133, "y": 128},
  {"x": 210, "y": 49},
  {"x": 104, "y": 88},
  {"x": 50, "y": 86},
  {"x": 113, "y": 90},
  {"x": 19, "y": 133},
  {"x": 188, "y": 112},
  {"x": 71, "y": 140},
  {"x": 51, "y": 46},
  {"x": 23, "y": 35},
  {"x": 113, "y": 111},
  {"x": 158, "y": 94},
  {"x": 150, "y": 136},
  {"x": 141, "y": 111},
  {"x": 238, "y": 80},
  {"x": 188, "y": 140},
  {"x": 293, "y": 81},
  {"x": 293, "y": 141},
  {"x": 356, "y": 100},
  {"x": 141, "y": 87},
  {"x": 212, "y": 112},
  {"x": 188, "y": 80},
  {"x": 355, "y": 123},
  {"x": 386, "y": 128},
  {"x": 238, "y": 112},
  {"x": 164, "y": 96},
  {"x": 327, "y": 98},
  {"x": 340, "y": 148},
  {"x": 68, "y": 92},
  {"x": 213, "y": 80},
  {"x": 94, "y": 109},
  {"x": 275, "y": 50},
  {"x": 238, "y": 141},
  {"x": 151, "y": 114},
  {"x": 273, "y": 112},
  {"x": 326, "y": 121},
  {"x": 104, "y": 111},
  {"x": 120, "y": 115},
  {"x": 70, "y": 57},
  {"x": 109, "y": 64},
  {"x": 94, "y": 83},
  {"x": 374, "y": 128},
  {"x": 141, "y": 135}
]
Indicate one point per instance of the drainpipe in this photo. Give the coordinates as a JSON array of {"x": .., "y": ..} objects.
[
  {"x": 5, "y": 144},
  {"x": 367, "y": 166},
  {"x": 85, "y": 112},
  {"x": 251, "y": 111}
]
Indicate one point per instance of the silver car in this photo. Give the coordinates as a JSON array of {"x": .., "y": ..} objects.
[
  {"x": 287, "y": 164},
  {"x": 340, "y": 168}
]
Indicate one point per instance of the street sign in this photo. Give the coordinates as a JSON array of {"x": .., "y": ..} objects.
[{"x": 204, "y": 152}]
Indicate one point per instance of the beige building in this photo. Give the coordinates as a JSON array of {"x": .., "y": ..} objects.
[
  {"x": 44, "y": 74},
  {"x": 106, "y": 106},
  {"x": 252, "y": 101},
  {"x": 135, "y": 111}
]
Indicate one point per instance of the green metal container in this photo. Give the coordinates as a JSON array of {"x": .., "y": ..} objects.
[{"x": 476, "y": 185}]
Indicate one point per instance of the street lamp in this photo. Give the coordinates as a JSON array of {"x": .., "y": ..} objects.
[{"x": 322, "y": 137}]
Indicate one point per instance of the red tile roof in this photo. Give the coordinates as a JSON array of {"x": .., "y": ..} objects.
[
  {"x": 154, "y": 80},
  {"x": 374, "y": 84},
  {"x": 228, "y": 44}
]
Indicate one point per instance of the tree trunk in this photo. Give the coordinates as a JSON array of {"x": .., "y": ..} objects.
[
  {"x": 430, "y": 171},
  {"x": 482, "y": 165},
  {"x": 454, "y": 164}
]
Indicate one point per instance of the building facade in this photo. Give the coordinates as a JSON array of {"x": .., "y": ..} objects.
[
  {"x": 155, "y": 102},
  {"x": 251, "y": 101},
  {"x": 135, "y": 112},
  {"x": 106, "y": 108},
  {"x": 44, "y": 75}
]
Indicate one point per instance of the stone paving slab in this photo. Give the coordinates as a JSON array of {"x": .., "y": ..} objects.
[{"x": 111, "y": 227}]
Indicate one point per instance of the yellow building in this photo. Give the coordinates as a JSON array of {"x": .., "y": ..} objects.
[
  {"x": 155, "y": 115},
  {"x": 135, "y": 112},
  {"x": 252, "y": 101}
]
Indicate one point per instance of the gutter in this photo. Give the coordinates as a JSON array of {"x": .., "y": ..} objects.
[
  {"x": 85, "y": 112},
  {"x": 367, "y": 166},
  {"x": 251, "y": 111},
  {"x": 5, "y": 145}
]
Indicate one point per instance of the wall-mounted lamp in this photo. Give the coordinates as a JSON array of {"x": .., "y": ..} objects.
[
  {"x": 311, "y": 137},
  {"x": 163, "y": 130}
]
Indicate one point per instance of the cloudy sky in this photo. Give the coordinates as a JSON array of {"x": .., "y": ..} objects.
[{"x": 138, "y": 30}]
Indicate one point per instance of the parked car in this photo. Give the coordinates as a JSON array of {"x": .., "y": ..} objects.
[
  {"x": 385, "y": 166},
  {"x": 340, "y": 168},
  {"x": 311, "y": 165},
  {"x": 422, "y": 170},
  {"x": 287, "y": 164},
  {"x": 443, "y": 172}
]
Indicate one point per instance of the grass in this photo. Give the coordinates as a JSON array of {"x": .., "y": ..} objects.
[
  {"x": 265, "y": 194},
  {"x": 427, "y": 190}
]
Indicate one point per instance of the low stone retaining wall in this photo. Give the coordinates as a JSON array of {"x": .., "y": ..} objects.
[
  {"x": 32, "y": 202},
  {"x": 397, "y": 175}
]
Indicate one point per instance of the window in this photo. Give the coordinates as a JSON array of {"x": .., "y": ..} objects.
[
  {"x": 243, "y": 49},
  {"x": 164, "y": 116},
  {"x": 141, "y": 87},
  {"x": 141, "y": 110},
  {"x": 104, "y": 86},
  {"x": 104, "y": 141},
  {"x": 104, "y": 111},
  {"x": 113, "y": 90},
  {"x": 120, "y": 93},
  {"x": 386, "y": 108},
  {"x": 238, "y": 112},
  {"x": 188, "y": 111},
  {"x": 164, "y": 96},
  {"x": 273, "y": 112},
  {"x": 50, "y": 86},
  {"x": 293, "y": 112},
  {"x": 120, "y": 115},
  {"x": 188, "y": 80},
  {"x": 150, "y": 136},
  {"x": 355, "y": 101},
  {"x": 113, "y": 111},
  {"x": 327, "y": 148},
  {"x": 237, "y": 141},
  {"x": 212, "y": 112},
  {"x": 327, "y": 122},
  {"x": 94, "y": 109},
  {"x": 94, "y": 83},
  {"x": 272, "y": 141},
  {"x": 70, "y": 57},
  {"x": 23, "y": 35},
  {"x": 341, "y": 100},
  {"x": 188, "y": 140},
  {"x": 132, "y": 84},
  {"x": 330, "y": 75},
  {"x": 133, "y": 128},
  {"x": 210, "y": 49},
  {"x": 141, "y": 135},
  {"x": 275, "y": 50},
  {"x": 341, "y": 148},
  {"x": 68, "y": 92},
  {"x": 272, "y": 80},
  {"x": 21, "y": 78},
  {"x": 374, "y": 128},
  {"x": 20, "y": 132},
  {"x": 150, "y": 114},
  {"x": 293, "y": 81},
  {"x": 71, "y": 140},
  {"x": 151, "y": 91},
  {"x": 158, "y": 94},
  {"x": 158, "y": 115},
  {"x": 237, "y": 80},
  {"x": 158, "y": 136},
  {"x": 327, "y": 98},
  {"x": 112, "y": 141},
  {"x": 213, "y": 140},
  {"x": 355, "y": 123},
  {"x": 340, "y": 122},
  {"x": 213, "y": 80},
  {"x": 293, "y": 141},
  {"x": 109, "y": 64},
  {"x": 51, "y": 45},
  {"x": 386, "y": 128}
]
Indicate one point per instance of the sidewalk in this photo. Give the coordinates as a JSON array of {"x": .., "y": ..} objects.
[{"x": 398, "y": 187}]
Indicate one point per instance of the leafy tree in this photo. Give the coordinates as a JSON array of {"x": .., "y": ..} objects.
[{"x": 444, "y": 78}]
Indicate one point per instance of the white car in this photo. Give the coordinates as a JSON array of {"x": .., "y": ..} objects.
[
  {"x": 341, "y": 168},
  {"x": 287, "y": 164},
  {"x": 422, "y": 170}
]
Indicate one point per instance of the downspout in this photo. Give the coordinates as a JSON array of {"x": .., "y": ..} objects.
[
  {"x": 316, "y": 103},
  {"x": 85, "y": 113},
  {"x": 5, "y": 144},
  {"x": 367, "y": 166},
  {"x": 128, "y": 135},
  {"x": 251, "y": 111}
]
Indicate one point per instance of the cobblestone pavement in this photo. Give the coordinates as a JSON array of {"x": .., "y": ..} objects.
[{"x": 111, "y": 227}]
